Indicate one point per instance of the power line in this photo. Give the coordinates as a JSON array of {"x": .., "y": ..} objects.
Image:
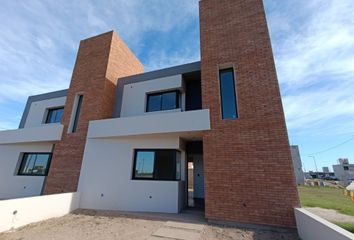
[{"x": 333, "y": 147}]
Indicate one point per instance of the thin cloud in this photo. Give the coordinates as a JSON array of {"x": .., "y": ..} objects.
[
  {"x": 314, "y": 49},
  {"x": 39, "y": 40}
]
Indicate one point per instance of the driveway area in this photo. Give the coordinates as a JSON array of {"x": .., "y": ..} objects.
[{"x": 87, "y": 225}]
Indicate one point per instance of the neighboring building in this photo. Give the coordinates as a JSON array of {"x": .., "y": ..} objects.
[
  {"x": 297, "y": 164},
  {"x": 325, "y": 169},
  {"x": 123, "y": 138},
  {"x": 344, "y": 171}
]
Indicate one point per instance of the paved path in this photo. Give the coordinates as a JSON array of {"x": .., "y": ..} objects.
[
  {"x": 331, "y": 215},
  {"x": 178, "y": 231}
]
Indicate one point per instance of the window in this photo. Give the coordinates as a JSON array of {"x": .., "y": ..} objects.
[
  {"x": 228, "y": 94},
  {"x": 346, "y": 168},
  {"x": 78, "y": 104},
  {"x": 162, "y": 101},
  {"x": 36, "y": 164},
  {"x": 54, "y": 115},
  {"x": 156, "y": 165}
]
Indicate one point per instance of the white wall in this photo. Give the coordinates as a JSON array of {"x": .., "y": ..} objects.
[
  {"x": 106, "y": 177},
  {"x": 134, "y": 95},
  {"x": 177, "y": 122},
  {"x": 312, "y": 227},
  {"x": 345, "y": 176},
  {"x": 19, "y": 212},
  {"x": 37, "y": 113},
  {"x": 44, "y": 133},
  {"x": 11, "y": 185}
]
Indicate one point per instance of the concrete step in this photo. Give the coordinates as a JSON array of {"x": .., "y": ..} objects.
[
  {"x": 176, "y": 233},
  {"x": 188, "y": 226}
]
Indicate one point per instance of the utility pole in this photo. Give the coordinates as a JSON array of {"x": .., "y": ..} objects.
[{"x": 314, "y": 160}]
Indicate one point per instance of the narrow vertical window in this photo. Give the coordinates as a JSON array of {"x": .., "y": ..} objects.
[
  {"x": 228, "y": 94},
  {"x": 77, "y": 113}
]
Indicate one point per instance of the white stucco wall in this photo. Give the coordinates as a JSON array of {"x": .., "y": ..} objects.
[
  {"x": 15, "y": 213},
  {"x": 106, "y": 177},
  {"x": 11, "y": 185},
  {"x": 44, "y": 133},
  {"x": 134, "y": 95},
  {"x": 313, "y": 227},
  {"x": 37, "y": 113},
  {"x": 177, "y": 122},
  {"x": 344, "y": 176}
]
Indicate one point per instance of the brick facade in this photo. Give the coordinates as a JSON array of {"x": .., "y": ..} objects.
[
  {"x": 248, "y": 170},
  {"x": 101, "y": 60}
]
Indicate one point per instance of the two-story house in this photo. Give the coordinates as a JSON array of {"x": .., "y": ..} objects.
[{"x": 124, "y": 138}]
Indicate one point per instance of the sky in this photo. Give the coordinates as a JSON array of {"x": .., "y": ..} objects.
[{"x": 313, "y": 45}]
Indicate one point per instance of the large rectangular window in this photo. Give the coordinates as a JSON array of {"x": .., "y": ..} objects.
[
  {"x": 79, "y": 99},
  {"x": 162, "y": 101},
  {"x": 55, "y": 115},
  {"x": 228, "y": 94},
  {"x": 156, "y": 165},
  {"x": 35, "y": 164}
]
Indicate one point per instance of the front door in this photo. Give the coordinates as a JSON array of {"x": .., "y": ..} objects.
[{"x": 198, "y": 176}]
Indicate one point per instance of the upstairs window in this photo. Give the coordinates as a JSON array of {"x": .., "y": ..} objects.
[
  {"x": 228, "y": 93},
  {"x": 35, "y": 164},
  {"x": 162, "y": 101},
  {"x": 159, "y": 164},
  {"x": 76, "y": 113},
  {"x": 55, "y": 115}
]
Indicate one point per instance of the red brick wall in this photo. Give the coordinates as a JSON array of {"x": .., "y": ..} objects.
[
  {"x": 248, "y": 169},
  {"x": 101, "y": 60}
]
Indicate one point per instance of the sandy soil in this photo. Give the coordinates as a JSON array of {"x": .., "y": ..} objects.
[
  {"x": 228, "y": 233},
  {"x": 93, "y": 225},
  {"x": 331, "y": 215}
]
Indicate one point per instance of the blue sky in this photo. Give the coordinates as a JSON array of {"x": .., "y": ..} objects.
[{"x": 313, "y": 44}]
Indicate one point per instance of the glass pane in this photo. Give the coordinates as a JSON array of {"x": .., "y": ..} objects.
[
  {"x": 50, "y": 116},
  {"x": 144, "y": 164},
  {"x": 40, "y": 166},
  {"x": 154, "y": 103},
  {"x": 28, "y": 163},
  {"x": 165, "y": 166},
  {"x": 58, "y": 115},
  {"x": 228, "y": 96},
  {"x": 54, "y": 115},
  {"x": 178, "y": 166},
  {"x": 77, "y": 112},
  {"x": 169, "y": 101}
]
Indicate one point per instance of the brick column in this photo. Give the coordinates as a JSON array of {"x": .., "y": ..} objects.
[
  {"x": 249, "y": 176},
  {"x": 100, "y": 61}
]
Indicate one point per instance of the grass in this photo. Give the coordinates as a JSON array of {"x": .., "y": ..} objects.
[
  {"x": 326, "y": 197},
  {"x": 347, "y": 226}
]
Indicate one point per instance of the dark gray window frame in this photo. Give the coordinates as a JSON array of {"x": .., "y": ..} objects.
[
  {"x": 178, "y": 101},
  {"x": 154, "y": 178},
  {"x": 23, "y": 157}
]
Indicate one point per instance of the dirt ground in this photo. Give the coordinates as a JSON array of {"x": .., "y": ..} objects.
[{"x": 87, "y": 225}]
